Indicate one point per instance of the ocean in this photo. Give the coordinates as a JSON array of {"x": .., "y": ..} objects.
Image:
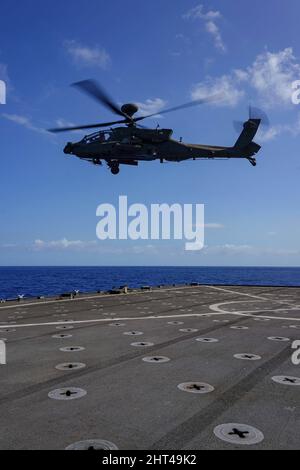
[{"x": 34, "y": 281}]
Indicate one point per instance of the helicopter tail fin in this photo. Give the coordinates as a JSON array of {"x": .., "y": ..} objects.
[{"x": 250, "y": 128}]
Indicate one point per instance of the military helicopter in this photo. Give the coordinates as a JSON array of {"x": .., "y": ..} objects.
[{"x": 133, "y": 143}]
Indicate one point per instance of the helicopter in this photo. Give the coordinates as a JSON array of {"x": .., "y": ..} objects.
[{"x": 132, "y": 143}]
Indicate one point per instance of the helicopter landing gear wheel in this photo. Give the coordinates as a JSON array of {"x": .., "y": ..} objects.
[{"x": 115, "y": 169}]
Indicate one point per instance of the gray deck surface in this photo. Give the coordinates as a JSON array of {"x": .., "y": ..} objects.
[{"x": 136, "y": 404}]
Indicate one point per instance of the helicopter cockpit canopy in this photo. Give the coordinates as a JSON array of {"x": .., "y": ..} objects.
[{"x": 101, "y": 136}]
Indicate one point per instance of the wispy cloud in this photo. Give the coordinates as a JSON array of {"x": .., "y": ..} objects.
[
  {"x": 151, "y": 106},
  {"x": 64, "y": 123},
  {"x": 223, "y": 86},
  {"x": 237, "y": 250},
  {"x": 209, "y": 19},
  {"x": 87, "y": 56},
  {"x": 25, "y": 122},
  {"x": 90, "y": 246},
  {"x": 271, "y": 133},
  {"x": 63, "y": 244}
]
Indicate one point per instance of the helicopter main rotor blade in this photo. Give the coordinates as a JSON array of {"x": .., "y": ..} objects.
[
  {"x": 88, "y": 126},
  {"x": 93, "y": 89},
  {"x": 209, "y": 99}
]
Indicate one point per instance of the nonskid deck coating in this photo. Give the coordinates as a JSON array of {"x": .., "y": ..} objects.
[{"x": 141, "y": 404}]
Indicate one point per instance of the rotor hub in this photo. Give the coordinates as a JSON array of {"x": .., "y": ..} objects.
[{"x": 130, "y": 109}]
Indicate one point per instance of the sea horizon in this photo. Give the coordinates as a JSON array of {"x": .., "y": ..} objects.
[{"x": 33, "y": 281}]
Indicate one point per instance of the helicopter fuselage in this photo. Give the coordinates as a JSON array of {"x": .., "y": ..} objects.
[
  {"x": 133, "y": 143},
  {"x": 128, "y": 145}
]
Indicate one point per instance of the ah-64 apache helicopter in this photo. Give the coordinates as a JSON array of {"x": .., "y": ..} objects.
[{"x": 133, "y": 143}]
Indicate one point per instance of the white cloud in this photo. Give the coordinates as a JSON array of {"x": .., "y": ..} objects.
[
  {"x": 151, "y": 106},
  {"x": 197, "y": 12},
  {"x": 64, "y": 123},
  {"x": 63, "y": 244},
  {"x": 222, "y": 86},
  {"x": 271, "y": 133},
  {"x": 87, "y": 56},
  {"x": 91, "y": 246},
  {"x": 228, "y": 249},
  {"x": 272, "y": 74},
  {"x": 209, "y": 18},
  {"x": 243, "y": 250},
  {"x": 270, "y": 77},
  {"x": 25, "y": 122},
  {"x": 213, "y": 29}
]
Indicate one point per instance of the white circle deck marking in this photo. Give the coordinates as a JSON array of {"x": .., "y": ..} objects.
[
  {"x": 62, "y": 336},
  {"x": 236, "y": 433},
  {"x": 92, "y": 444},
  {"x": 286, "y": 380},
  {"x": 278, "y": 338},
  {"x": 65, "y": 327},
  {"x": 238, "y": 327},
  {"x": 133, "y": 333},
  {"x": 70, "y": 366},
  {"x": 196, "y": 387},
  {"x": 188, "y": 330},
  {"x": 207, "y": 340},
  {"x": 156, "y": 359},
  {"x": 72, "y": 348},
  {"x": 247, "y": 356},
  {"x": 71, "y": 393}
]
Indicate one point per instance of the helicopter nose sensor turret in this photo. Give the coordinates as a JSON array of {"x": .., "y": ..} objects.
[{"x": 68, "y": 148}]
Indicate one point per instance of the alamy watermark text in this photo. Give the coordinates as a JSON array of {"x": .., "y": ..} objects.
[
  {"x": 2, "y": 92},
  {"x": 159, "y": 222}
]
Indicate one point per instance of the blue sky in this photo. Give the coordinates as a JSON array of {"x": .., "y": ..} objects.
[{"x": 153, "y": 53}]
